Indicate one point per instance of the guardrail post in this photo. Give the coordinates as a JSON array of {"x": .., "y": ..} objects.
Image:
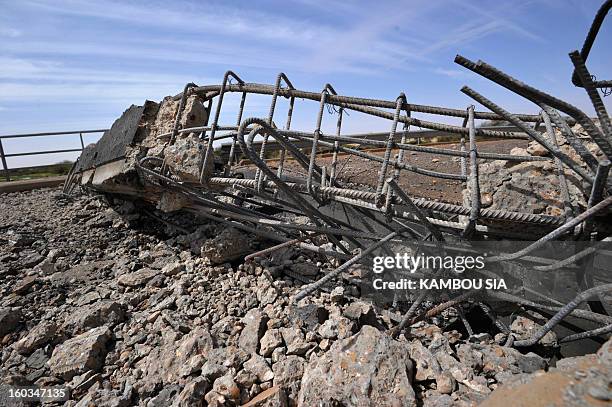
[
  {"x": 82, "y": 144},
  {"x": 4, "y": 165}
]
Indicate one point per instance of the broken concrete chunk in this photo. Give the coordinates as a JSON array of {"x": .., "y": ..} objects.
[
  {"x": 426, "y": 365},
  {"x": 40, "y": 335},
  {"x": 228, "y": 245},
  {"x": 524, "y": 328},
  {"x": 37, "y": 360},
  {"x": 164, "y": 364},
  {"x": 308, "y": 316},
  {"x": 80, "y": 354},
  {"x": 137, "y": 278},
  {"x": 171, "y": 201},
  {"x": 295, "y": 341},
  {"x": 288, "y": 375},
  {"x": 255, "y": 327},
  {"x": 362, "y": 313},
  {"x": 173, "y": 268},
  {"x": 9, "y": 320},
  {"x": 271, "y": 340},
  {"x": 580, "y": 383},
  {"x": 226, "y": 387},
  {"x": 185, "y": 158},
  {"x": 368, "y": 369},
  {"x": 193, "y": 393},
  {"x": 230, "y": 356},
  {"x": 105, "y": 312},
  {"x": 24, "y": 285},
  {"x": 194, "y": 114},
  {"x": 259, "y": 367},
  {"x": 537, "y": 149},
  {"x": 528, "y": 187}
]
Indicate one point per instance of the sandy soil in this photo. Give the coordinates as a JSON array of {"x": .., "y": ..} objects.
[{"x": 359, "y": 170}]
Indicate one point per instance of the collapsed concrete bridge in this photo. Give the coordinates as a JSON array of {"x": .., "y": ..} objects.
[{"x": 553, "y": 189}]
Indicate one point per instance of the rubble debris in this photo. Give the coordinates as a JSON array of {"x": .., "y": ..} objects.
[
  {"x": 584, "y": 382},
  {"x": 9, "y": 319},
  {"x": 368, "y": 369},
  {"x": 103, "y": 312},
  {"x": 81, "y": 353},
  {"x": 229, "y": 245},
  {"x": 39, "y": 336},
  {"x": 254, "y": 328},
  {"x": 137, "y": 278},
  {"x": 171, "y": 342}
]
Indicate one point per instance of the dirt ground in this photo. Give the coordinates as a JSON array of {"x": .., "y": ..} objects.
[{"x": 355, "y": 169}]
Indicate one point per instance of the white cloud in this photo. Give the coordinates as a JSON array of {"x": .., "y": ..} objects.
[
  {"x": 502, "y": 17},
  {"x": 451, "y": 73},
  {"x": 192, "y": 18},
  {"x": 10, "y": 32}
]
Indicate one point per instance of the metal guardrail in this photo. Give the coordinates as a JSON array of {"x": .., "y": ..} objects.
[
  {"x": 4, "y": 156},
  {"x": 223, "y": 149}
]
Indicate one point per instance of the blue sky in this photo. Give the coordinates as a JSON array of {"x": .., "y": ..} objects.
[{"x": 68, "y": 65}]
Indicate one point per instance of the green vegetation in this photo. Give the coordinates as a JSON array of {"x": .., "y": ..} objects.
[{"x": 43, "y": 171}]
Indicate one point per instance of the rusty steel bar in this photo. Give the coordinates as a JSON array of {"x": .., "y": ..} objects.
[
  {"x": 587, "y": 334},
  {"x": 315, "y": 139},
  {"x": 246, "y": 147},
  {"x": 329, "y": 276},
  {"x": 564, "y": 191},
  {"x": 599, "y": 185},
  {"x": 415, "y": 209},
  {"x": 578, "y": 313},
  {"x": 589, "y": 86},
  {"x": 379, "y": 159},
  {"x": 463, "y": 151},
  {"x": 281, "y": 160},
  {"x": 338, "y": 99},
  {"x": 352, "y": 139},
  {"x": 399, "y": 158},
  {"x": 334, "y": 164},
  {"x": 387, "y": 155},
  {"x": 563, "y": 312},
  {"x": 211, "y": 137},
  {"x": 537, "y": 96},
  {"x": 473, "y": 177},
  {"x": 230, "y": 160},
  {"x": 557, "y": 232},
  {"x": 590, "y": 38},
  {"x": 485, "y": 213},
  {"x": 571, "y": 138},
  {"x": 532, "y": 133},
  {"x": 262, "y": 152},
  {"x": 277, "y": 247}
]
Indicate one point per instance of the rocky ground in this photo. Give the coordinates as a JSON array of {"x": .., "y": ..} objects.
[{"x": 126, "y": 310}]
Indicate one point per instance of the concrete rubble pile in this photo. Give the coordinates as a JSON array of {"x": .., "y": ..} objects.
[
  {"x": 535, "y": 186},
  {"x": 124, "y": 311}
]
